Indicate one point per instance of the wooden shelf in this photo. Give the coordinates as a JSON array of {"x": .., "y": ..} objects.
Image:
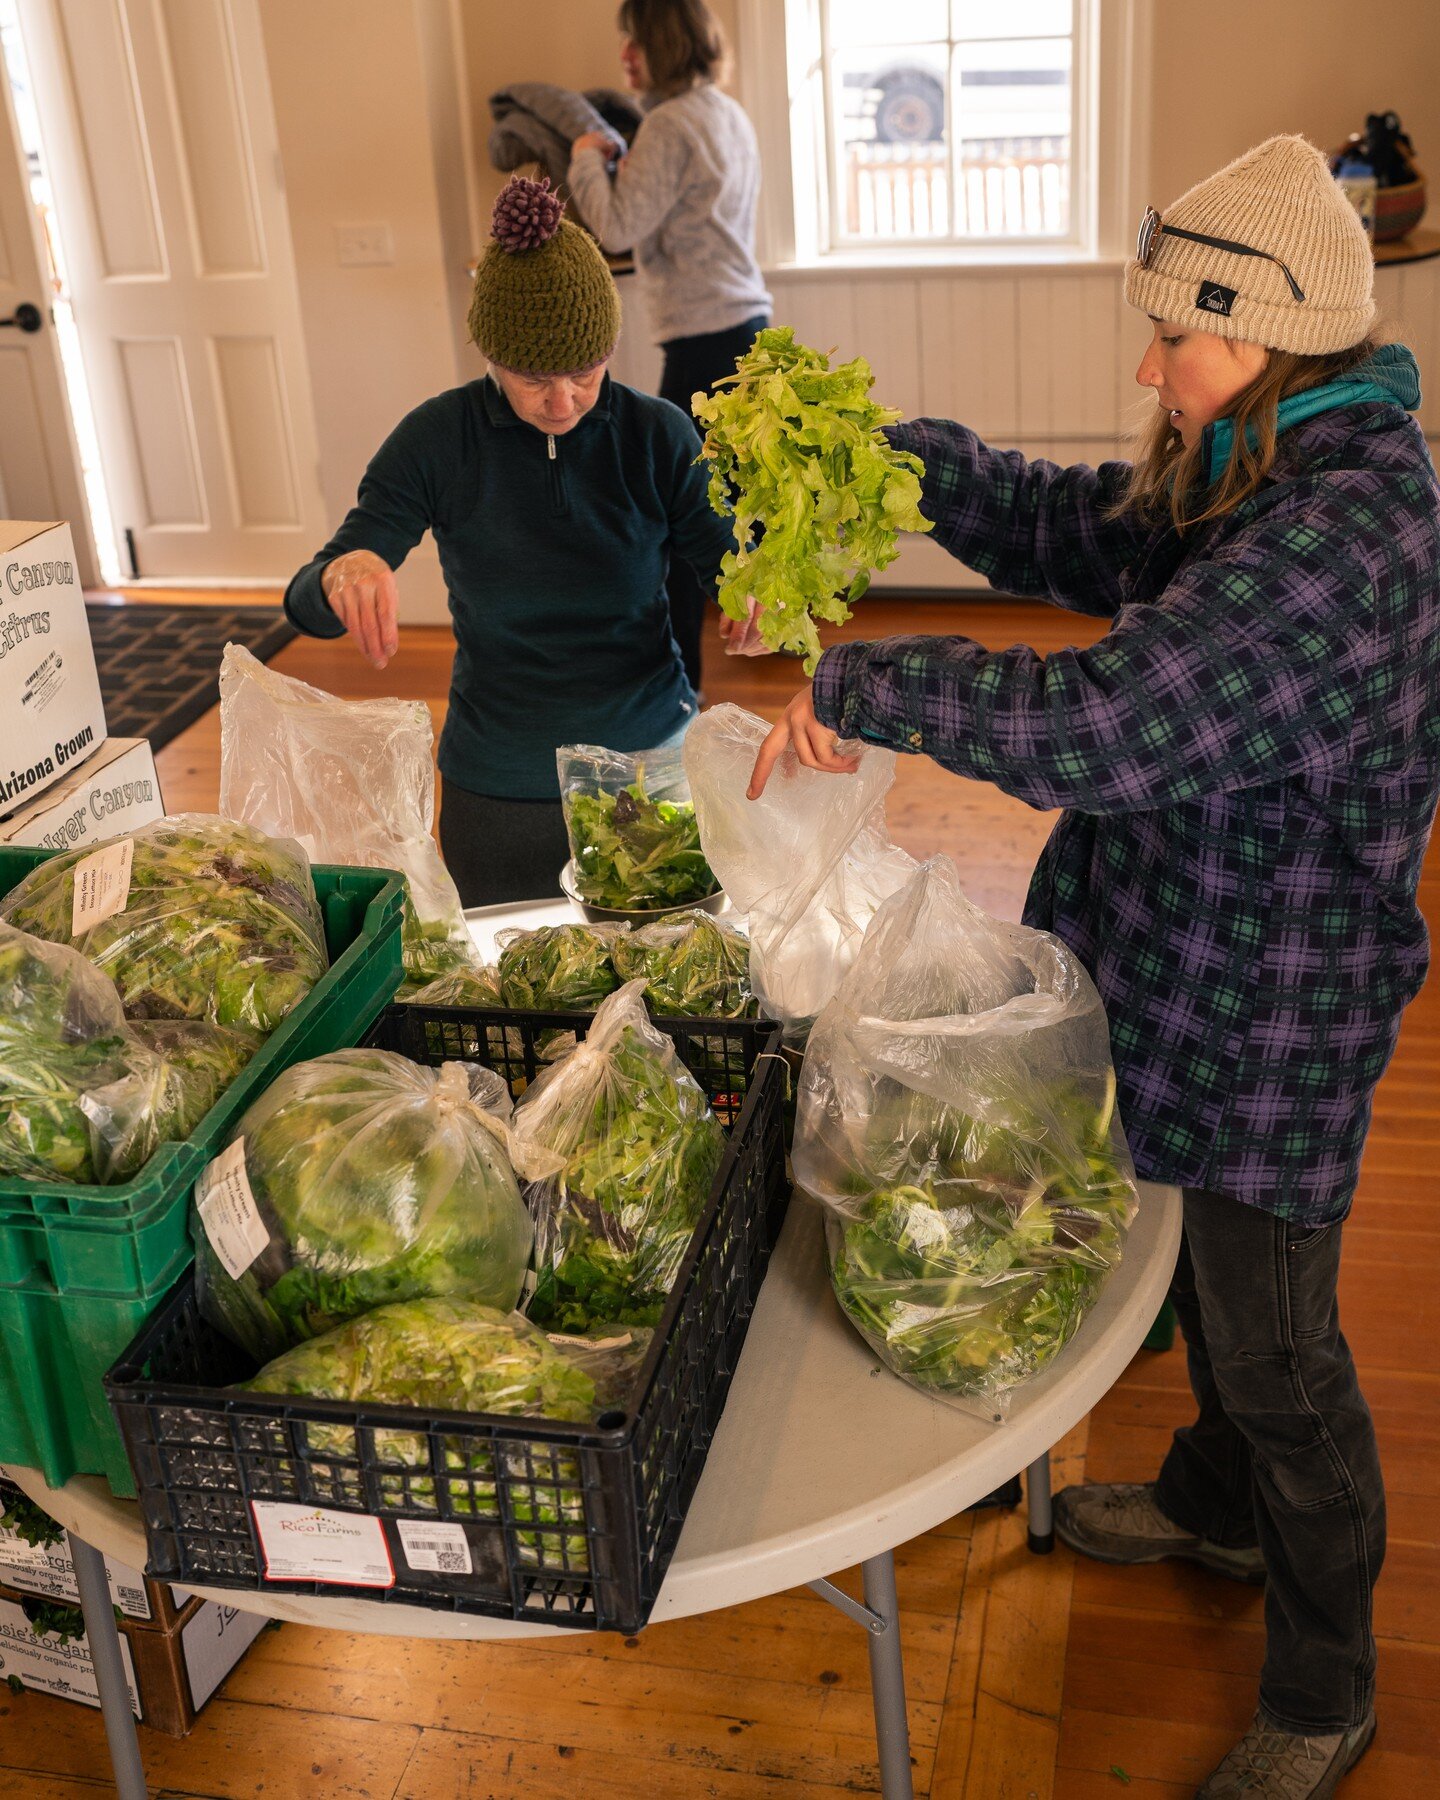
[{"x": 1415, "y": 246}]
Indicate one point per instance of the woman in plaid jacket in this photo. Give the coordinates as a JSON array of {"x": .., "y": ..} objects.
[{"x": 1249, "y": 766}]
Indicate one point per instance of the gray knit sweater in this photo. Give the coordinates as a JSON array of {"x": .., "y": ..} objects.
[{"x": 684, "y": 201}]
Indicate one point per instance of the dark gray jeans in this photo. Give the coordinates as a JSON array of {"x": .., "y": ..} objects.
[
  {"x": 1283, "y": 1450},
  {"x": 500, "y": 850}
]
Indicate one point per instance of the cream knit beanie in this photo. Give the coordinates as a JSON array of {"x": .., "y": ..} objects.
[{"x": 1279, "y": 197}]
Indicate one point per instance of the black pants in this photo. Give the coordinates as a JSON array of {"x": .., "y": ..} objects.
[
  {"x": 693, "y": 363},
  {"x": 502, "y": 849},
  {"x": 1283, "y": 1450}
]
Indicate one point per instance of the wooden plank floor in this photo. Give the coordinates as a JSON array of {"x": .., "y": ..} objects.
[{"x": 1029, "y": 1678}]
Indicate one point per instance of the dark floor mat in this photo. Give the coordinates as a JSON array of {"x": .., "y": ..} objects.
[{"x": 160, "y": 665}]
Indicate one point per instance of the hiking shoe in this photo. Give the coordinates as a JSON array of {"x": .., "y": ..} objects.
[
  {"x": 1119, "y": 1522},
  {"x": 1270, "y": 1764}
]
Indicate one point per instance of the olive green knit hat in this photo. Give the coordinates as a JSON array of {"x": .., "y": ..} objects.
[
  {"x": 1268, "y": 250},
  {"x": 544, "y": 301}
]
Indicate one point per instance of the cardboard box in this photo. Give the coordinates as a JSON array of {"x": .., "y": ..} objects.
[
  {"x": 49, "y": 690},
  {"x": 171, "y": 1672},
  {"x": 114, "y": 791},
  {"x": 47, "y": 1572}
]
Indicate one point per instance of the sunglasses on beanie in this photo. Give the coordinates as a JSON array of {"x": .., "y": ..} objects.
[{"x": 1152, "y": 229}]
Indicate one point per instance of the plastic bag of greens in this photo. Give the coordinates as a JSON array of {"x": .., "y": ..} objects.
[
  {"x": 453, "y": 1355},
  {"x": 611, "y": 1356},
  {"x": 956, "y": 1116},
  {"x": 355, "y": 1180},
  {"x": 807, "y": 863},
  {"x": 351, "y": 781},
  {"x": 193, "y": 917},
  {"x": 640, "y": 1148},
  {"x": 471, "y": 985},
  {"x": 693, "y": 966},
  {"x": 558, "y": 968},
  {"x": 84, "y": 1096},
  {"x": 633, "y": 834}
]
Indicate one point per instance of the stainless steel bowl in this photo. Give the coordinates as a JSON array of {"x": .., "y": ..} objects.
[{"x": 640, "y": 915}]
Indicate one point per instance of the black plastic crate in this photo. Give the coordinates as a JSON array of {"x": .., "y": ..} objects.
[{"x": 565, "y": 1523}]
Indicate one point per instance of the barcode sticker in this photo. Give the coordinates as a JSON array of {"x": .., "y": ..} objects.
[
  {"x": 435, "y": 1545},
  {"x": 228, "y": 1211},
  {"x": 102, "y": 885},
  {"x": 307, "y": 1543}
]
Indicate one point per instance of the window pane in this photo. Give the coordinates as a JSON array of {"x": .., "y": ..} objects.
[
  {"x": 1012, "y": 18},
  {"x": 1014, "y": 129},
  {"x": 896, "y": 22},
  {"x": 891, "y": 141}
]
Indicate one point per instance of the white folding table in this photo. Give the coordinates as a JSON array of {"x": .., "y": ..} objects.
[{"x": 820, "y": 1462}]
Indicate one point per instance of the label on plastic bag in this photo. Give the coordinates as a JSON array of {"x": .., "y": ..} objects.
[
  {"x": 307, "y": 1543},
  {"x": 584, "y": 1343},
  {"x": 228, "y": 1211},
  {"x": 102, "y": 885},
  {"x": 435, "y": 1544}
]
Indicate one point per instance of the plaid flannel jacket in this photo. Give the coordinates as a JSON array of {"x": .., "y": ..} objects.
[{"x": 1249, "y": 763}]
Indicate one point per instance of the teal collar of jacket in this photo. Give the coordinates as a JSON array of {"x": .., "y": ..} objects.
[
  {"x": 499, "y": 411},
  {"x": 1391, "y": 375}
]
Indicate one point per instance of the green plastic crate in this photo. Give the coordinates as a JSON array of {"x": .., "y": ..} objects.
[{"x": 82, "y": 1268}]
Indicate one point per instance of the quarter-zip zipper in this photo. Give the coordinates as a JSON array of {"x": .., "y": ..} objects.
[{"x": 559, "y": 500}]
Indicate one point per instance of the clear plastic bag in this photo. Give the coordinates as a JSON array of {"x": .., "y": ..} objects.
[
  {"x": 85, "y": 1096},
  {"x": 956, "y": 1116},
  {"x": 557, "y": 968},
  {"x": 693, "y": 966},
  {"x": 351, "y": 781},
  {"x": 477, "y": 985},
  {"x": 453, "y": 1355},
  {"x": 216, "y": 921},
  {"x": 164, "y": 1094},
  {"x": 640, "y": 1148},
  {"x": 807, "y": 863},
  {"x": 363, "y": 1179},
  {"x": 633, "y": 834}
]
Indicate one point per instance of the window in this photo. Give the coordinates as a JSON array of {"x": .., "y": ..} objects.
[{"x": 916, "y": 127}]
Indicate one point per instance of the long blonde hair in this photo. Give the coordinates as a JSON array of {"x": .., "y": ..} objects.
[{"x": 1168, "y": 477}]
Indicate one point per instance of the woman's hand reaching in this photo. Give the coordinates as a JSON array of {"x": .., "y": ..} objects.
[
  {"x": 601, "y": 141},
  {"x": 813, "y": 743},
  {"x": 741, "y": 637},
  {"x": 360, "y": 587}
]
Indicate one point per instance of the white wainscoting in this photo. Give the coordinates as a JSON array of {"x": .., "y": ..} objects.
[{"x": 1042, "y": 360}]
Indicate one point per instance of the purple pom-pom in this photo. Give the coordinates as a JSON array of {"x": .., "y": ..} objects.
[{"x": 526, "y": 215}]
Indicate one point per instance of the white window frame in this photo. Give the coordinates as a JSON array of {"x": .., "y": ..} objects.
[{"x": 1109, "y": 185}]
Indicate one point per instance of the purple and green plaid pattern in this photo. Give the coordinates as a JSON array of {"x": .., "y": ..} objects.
[{"x": 1248, "y": 763}]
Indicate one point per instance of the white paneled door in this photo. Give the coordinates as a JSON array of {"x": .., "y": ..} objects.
[
  {"x": 39, "y": 463},
  {"x": 160, "y": 140}
]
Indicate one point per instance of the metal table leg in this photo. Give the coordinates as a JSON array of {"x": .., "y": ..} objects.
[
  {"x": 880, "y": 1615},
  {"x": 104, "y": 1642},
  {"x": 1041, "y": 1537}
]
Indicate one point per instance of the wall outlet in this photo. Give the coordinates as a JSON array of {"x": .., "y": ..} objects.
[{"x": 357, "y": 245}]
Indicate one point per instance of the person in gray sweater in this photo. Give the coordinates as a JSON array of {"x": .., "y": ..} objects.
[{"x": 684, "y": 201}]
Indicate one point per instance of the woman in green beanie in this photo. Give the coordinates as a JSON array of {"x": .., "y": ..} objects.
[{"x": 557, "y": 498}]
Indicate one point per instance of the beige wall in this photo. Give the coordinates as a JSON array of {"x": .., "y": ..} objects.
[
  {"x": 379, "y": 139},
  {"x": 1230, "y": 72},
  {"x": 350, "y": 105}
]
